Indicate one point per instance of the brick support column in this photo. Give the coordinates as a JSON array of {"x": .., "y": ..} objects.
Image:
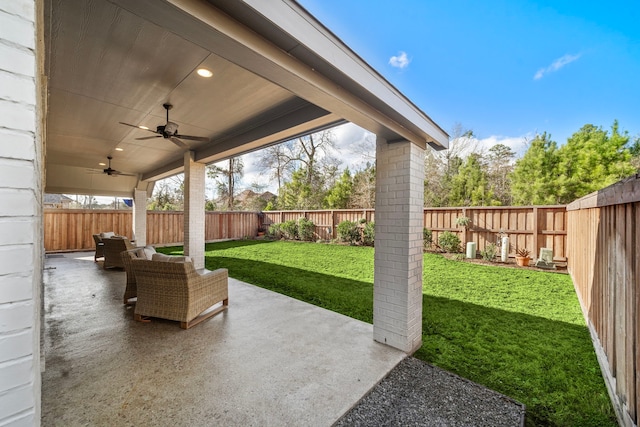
[
  {"x": 140, "y": 217},
  {"x": 194, "y": 174},
  {"x": 397, "y": 305}
]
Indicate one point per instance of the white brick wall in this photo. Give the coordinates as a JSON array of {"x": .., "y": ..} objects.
[
  {"x": 20, "y": 217},
  {"x": 194, "y": 187},
  {"x": 397, "y": 306}
]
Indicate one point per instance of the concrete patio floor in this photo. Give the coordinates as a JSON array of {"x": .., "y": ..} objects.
[{"x": 268, "y": 360}]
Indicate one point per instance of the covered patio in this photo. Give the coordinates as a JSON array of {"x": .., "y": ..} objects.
[{"x": 268, "y": 360}]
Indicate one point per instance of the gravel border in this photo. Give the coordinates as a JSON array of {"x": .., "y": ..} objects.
[{"x": 415, "y": 393}]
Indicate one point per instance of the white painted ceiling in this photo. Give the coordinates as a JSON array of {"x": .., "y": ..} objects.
[{"x": 111, "y": 61}]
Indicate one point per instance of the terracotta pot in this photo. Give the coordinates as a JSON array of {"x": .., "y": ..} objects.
[{"x": 523, "y": 261}]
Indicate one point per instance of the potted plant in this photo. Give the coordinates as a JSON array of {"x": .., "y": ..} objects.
[
  {"x": 463, "y": 221},
  {"x": 522, "y": 257}
]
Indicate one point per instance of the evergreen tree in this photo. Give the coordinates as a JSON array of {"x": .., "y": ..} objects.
[
  {"x": 299, "y": 194},
  {"x": 470, "y": 186},
  {"x": 535, "y": 176},
  {"x": 591, "y": 160},
  {"x": 338, "y": 195}
]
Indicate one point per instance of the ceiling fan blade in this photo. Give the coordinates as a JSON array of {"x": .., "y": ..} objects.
[
  {"x": 128, "y": 124},
  {"x": 149, "y": 137},
  {"x": 193, "y": 138},
  {"x": 139, "y": 127},
  {"x": 179, "y": 143},
  {"x": 118, "y": 173}
]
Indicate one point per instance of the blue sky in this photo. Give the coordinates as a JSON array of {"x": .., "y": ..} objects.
[{"x": 504, "y": 69}]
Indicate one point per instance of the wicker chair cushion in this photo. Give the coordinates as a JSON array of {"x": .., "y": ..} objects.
[
  {"x": 149, "y": 251},
  {"x": 107, "y": 234},
  {"x": 169, "y": 258}
]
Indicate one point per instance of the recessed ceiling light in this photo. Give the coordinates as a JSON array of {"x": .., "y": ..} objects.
[
  {"x": 102, "y": 164},
  {"x": 203, "y": 72},
  {"x": 119, "y": 149}
]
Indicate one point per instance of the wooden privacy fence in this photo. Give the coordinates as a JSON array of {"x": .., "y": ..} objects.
[
  {"x": 604, "y": 262},
  {"x": 325, "y": 221},
  {"x": 530, "y": 227},
  {"x": 71, "y": 229}
]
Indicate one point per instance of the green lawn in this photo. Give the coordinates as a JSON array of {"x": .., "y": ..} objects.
[{"x": 516, "y": 331}]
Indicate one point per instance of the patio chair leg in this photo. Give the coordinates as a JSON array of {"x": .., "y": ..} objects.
[
  {"x": 205, "y": 316},
  {"x": 141, "y": 318}
]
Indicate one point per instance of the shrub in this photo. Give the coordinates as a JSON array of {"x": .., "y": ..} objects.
[
  {"x": 490, "y": 252},
  {"x": 306, "y": 229},
  {"x": 289, "y": 229},
  {"x": 449, "y": 242},
  {"x": 369, "y": 233},
  {"x": 427, "y": 238},
  {"x": 274, "y": 232},
  {"x": 348, "y": 231}
]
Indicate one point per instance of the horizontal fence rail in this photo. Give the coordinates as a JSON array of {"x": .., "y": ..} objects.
[{"x": 604, "y": 263}]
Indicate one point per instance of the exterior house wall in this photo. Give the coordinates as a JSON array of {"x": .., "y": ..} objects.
[{"x": 21, "y": 250}]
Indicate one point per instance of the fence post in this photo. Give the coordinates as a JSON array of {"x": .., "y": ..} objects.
[
  {"x": 333, "y": 224},
  {"x": 464, "y": 231},
  {"x": 534, "y": 250}
]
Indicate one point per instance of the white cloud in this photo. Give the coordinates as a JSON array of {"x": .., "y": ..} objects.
[
  {"x": 517, "y": 143},
  {"x": 556, "y": 65},
  {"x": 400, "y": 61}
]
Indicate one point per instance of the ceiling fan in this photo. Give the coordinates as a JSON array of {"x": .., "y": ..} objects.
[
  {"x": 110, "y": 171},
  {"x": 168, "y": 131}
]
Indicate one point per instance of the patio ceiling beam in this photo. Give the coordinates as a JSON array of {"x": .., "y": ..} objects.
[
  {"x": 278, "y": 125},
  {"x": 305, "y": 120}
]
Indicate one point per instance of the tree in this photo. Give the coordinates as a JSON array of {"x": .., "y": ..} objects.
[
  {"x": 634, "y": 150},
  {"x": 297, "y": 194},
  {"x": 591, "y": 160},
  {"x": 313, "y": 154},
  {"x": 278, "y": 160},
  {"x": 338, "y": 196},
  {"x": 226, "y": 179},
  {"x": 470, "y": 186},
  {"x": 442, "y": 166},
  {"x": 534, "y": 177},
  {"x": 500, "y": 165},
  {"x": 168, "y": 195},
  {"x": 363, "y": 194}
]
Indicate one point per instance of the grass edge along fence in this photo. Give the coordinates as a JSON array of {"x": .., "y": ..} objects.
[{"x": 604, "y": 263}]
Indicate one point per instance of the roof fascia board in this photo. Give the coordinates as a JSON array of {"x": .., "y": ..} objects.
[{"x": 308, "y": 31}]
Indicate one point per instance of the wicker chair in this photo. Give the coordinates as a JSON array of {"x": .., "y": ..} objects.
[
  {"x": 112, "y": 248},
  {"x": 99, "y": 247},
  {"x": 176, "y": 291},
  {"x": 131, "y": 291}
]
